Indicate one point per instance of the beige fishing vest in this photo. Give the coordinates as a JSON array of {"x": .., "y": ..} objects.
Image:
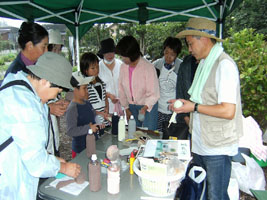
[{"x": 217, "y": 131}]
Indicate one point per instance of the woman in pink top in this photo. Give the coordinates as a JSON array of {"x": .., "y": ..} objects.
[{"x": 138, "y": 84}]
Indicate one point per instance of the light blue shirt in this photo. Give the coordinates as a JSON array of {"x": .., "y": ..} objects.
[{"x": 25, "y": 118}]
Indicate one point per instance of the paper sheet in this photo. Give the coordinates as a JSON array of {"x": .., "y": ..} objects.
[
  {"x": 179, "y": 148},
  {"x": 73, "y": 188}
]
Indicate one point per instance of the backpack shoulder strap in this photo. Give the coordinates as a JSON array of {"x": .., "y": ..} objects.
[
  {"x": 17, "y": 82},
  {"x": 9, "y": 84}
]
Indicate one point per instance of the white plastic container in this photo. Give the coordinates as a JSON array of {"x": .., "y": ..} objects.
[
  {"x": 131, "y": 127},
  {"x": 158, "y": 186},
  {"x": 113, "y": 178},
  {"x": 121, "y": 127}
]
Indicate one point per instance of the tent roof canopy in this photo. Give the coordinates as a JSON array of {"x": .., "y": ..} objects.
[{"x": 84, "y": 13}]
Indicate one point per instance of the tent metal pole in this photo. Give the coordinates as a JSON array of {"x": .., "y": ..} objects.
[
  {"x": 14, "y": 15},
  {"x": 220, "y": 22},
  {"x": 49, "y": 12},
  {"x": 56, "y": 15},
  {"x": 114, "y": 15},
  {"x": 77, "y": 42}
]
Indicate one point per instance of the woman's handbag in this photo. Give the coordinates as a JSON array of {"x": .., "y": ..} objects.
[{"x": 178, "y": 130}]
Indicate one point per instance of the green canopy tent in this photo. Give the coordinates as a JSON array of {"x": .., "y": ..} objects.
[{"x": 80, "y": 15}]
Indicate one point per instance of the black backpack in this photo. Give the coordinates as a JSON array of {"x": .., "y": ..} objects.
[{"x": 192, "y": 187}]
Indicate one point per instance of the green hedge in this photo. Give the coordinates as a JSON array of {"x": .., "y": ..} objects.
[
  {"x": 8, "y": 57},
  {"x": 249, "y": 51}
]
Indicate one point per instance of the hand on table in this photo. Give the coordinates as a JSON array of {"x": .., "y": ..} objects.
[{"x": 70, "y": 169}]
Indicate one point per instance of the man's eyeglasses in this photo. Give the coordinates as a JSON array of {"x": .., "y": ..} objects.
[{"x": 52, "y": 85}]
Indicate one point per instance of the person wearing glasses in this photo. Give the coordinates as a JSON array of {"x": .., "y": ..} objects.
[{"x": 24, "y": 127}]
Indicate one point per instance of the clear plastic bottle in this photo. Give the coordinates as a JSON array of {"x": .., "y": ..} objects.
[
  {"x": 94, "y": 173},
  {"x": 90, "y": 143},
  {"x": 113, "y": 178},
  {"x": 121, "y": 135},
  {"x": 131, "y": 127}
]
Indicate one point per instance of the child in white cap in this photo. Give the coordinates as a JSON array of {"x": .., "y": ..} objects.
[{"x": 80, "y": 114}]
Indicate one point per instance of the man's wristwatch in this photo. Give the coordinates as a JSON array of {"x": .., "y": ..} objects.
[{"x": 196, "y": 107}]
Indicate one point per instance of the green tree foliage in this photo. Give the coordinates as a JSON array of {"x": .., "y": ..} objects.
[
  {"x": 4, "y": 59},
  {"x": 249, "y": 14},
  {"x": 151, "y": 36},
  {"x": 91, "y": 40},
  {"x": 5, "y": 44},
  {"x": 248, "y": 49}
]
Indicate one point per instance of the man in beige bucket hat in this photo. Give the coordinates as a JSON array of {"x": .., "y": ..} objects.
[
  {"x": 214, "y": 106},
  {"x": 24, "y": 127}
]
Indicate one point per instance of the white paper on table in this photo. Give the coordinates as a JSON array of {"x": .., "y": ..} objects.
[
  {"x": 180, "y": 148},
  {"x": 72, "y": 188},
  {"x": 150, "y": 148}
]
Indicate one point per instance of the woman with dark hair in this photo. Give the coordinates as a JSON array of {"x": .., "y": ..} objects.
[
  {"x": 33, "y": 41},
  {"x": 138, "y": 84},
  {"x": 168, "y": 67},
  {"x": 109, "y": 71}
]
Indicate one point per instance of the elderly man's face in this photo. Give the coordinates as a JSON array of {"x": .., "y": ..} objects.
[{"x": 197, "y": 47}]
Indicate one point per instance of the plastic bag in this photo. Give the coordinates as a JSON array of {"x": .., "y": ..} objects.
[
  {"x": 233, "y": 189},
  {"x": 249, "y": 176}
]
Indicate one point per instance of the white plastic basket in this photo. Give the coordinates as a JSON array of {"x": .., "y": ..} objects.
[{"x": 158, "y": 186}]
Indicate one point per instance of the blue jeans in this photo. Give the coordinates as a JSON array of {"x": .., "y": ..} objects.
[
  {"x": 151, "y": 118},
  {"x": 218, "y": 170}
]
